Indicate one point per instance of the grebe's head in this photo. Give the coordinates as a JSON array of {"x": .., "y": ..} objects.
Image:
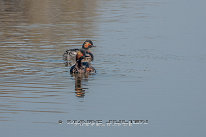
[{"x": 87, "y": 44}]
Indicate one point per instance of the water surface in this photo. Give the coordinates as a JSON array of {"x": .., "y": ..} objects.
[{"x": 150, "y": 59}]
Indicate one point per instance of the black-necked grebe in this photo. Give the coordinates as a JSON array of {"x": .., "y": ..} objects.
[
  {"x": 70, "y": 54},
  {"x": 80, "y": 66}
]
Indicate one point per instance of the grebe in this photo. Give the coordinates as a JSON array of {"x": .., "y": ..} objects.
[
  {"x": 70, "y": 54},
  {"x": 80, "y": 66}
]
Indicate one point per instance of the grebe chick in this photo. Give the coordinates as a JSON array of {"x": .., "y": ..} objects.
[{"x": 80, "y": 66}]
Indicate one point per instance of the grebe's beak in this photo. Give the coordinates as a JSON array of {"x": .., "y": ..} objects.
[{"x": 93, "y": 46}]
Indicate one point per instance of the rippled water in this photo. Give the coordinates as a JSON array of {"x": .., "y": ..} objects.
[{"x": 150, "y": 58}]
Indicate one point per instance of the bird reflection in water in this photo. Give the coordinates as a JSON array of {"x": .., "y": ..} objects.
[{"x": 79, "y": 90}]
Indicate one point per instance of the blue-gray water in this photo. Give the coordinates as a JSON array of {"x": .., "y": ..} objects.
[{"x": 150, "y": 58}]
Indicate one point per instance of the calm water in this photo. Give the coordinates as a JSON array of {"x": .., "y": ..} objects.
[{"x": 150, "y": 58}]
